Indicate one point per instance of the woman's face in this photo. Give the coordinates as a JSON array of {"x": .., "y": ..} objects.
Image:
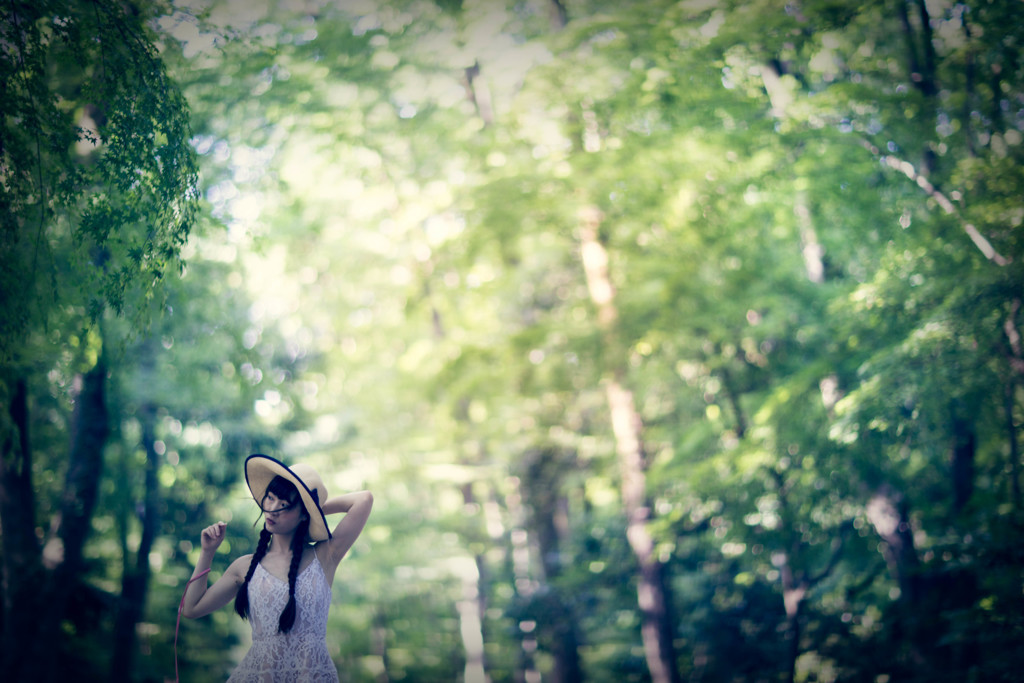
[{"x": 282, "y": 516}]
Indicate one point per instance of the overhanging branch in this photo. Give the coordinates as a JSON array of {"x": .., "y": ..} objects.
[{"x": 909, "y": 170}]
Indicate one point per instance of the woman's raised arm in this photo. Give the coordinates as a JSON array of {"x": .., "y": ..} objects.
[
  {"x": 356, "y": 507},
  {"x": 200, "y": 600}
]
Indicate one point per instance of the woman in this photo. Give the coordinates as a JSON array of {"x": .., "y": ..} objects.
[{"x": 284, "y": 588}]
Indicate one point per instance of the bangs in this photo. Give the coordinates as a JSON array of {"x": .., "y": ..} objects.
[{"x": 283, "y": 489}]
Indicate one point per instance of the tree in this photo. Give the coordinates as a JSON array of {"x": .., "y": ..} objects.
[{"x": 98, "y": 197}]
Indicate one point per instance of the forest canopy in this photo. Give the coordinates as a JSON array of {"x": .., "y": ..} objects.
[{"x": 677, "y": 341}]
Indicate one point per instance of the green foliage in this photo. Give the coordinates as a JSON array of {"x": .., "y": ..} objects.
[
  {"x": 483, "y": 344},
  {"x": 806, "y": 319},
  {"x": 98, "y": 193}
]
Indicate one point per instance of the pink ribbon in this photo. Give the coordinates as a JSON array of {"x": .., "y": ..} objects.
[{"x": 181, "y": 606}]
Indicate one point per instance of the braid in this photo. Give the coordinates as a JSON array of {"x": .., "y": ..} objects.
[
  {"x": 287, "y": 619},
  {"x": 242, "y": 598}
]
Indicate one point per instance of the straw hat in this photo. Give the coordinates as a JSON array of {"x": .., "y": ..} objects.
[{"x": 260, "y": 470}]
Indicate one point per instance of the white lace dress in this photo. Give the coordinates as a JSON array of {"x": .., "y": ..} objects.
[{"x": 299, "y": 656}]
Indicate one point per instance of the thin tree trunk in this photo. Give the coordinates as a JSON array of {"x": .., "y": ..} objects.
[
  {"x": 379, "y": 644},
  {"x": 479, "y": 94},
  {"x": 810, "y": 247},
  {"x": 920, "y": 58},
  {"x": 525, "y": 586},
  {"x": 793, "y": 580},
  {"x": 1016, "y": 361},
  {"x": 1011, "y": 429},
  {"x": 656, "y": 627},
  {"x": 887, "y": 512},
  {"x": 970, "y": 90},
  {"x": 542, "y": 486},
  {"x": 962, "y": 469},
  {"x": 930, "y": 86},
  {"x": 471, "y": 629},
  {"x": 794, "y": 588},
  {"x": 135, "y": 582},
  {"x": 733, "y": 396},
  {"x": 472, "y": 609},
  {"x": 473, "y": 606},
  {"x": 798, "y": 581},
  {"x": 793, "y": 594}
]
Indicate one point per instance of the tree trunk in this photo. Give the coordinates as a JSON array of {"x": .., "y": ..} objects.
[
  {"x": 479, "y": 94},
  {"x": 656, "y": 627},
  {"x": 525, "y": 587},
  {"x": 920, "y": 52},
  {"x": 887, "y": 512},
  {"x": 1011, "y": 429},
  {"x": 379, "y": 644},
  {"x": 473, "y": 606},
  {"x": 797, "y": 581},
  {"x": 88, "y": 438},
  {"x": 135, "y": 581},
  {"x": 23, "y": 571},
  {"x": 472, "y": 609},
  {"x": 963, "y": 449},
  {"x": 542, "y": 486},
  {"x": 1016, "y": 362},
  {"x": 793, "y": 594},
  {"x": 810, "y": 247},
  {"x": 733, "y": 396}
]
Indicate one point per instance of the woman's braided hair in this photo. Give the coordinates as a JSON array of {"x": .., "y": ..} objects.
[
  {"x": 242, "y": 597},
  {"x": 285, "y": 490},
  {"x": 298, "y": 543}
]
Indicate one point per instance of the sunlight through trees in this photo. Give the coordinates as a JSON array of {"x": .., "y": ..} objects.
[{"x": 676, "y": 340}]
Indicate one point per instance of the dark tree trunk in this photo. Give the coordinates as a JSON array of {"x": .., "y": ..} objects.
[
  {"x": 379, "y": 644},
  {"x": 135, "y": 584},
  {"x": 928, "y": 59},
  {"x": 887, "y": 512},
  {"x": 964, "y": 443},
  {"x": 733, "y": 396},
  {"x": 542, "y": 488},
  {"x": 525, "y": 586},
  {"x": 1011, "y": 429},
  {"x": 1016, "y": 363},
  {"x": 23, "y": 571},
  {"x": 920, "y": 52},
  {"x": 88, "y": 438}
]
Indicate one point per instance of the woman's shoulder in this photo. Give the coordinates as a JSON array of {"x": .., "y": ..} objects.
[{"x": 239, "y": 567}]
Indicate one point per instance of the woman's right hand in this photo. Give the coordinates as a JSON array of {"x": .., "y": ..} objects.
[{"x": 213, "y": 536}]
